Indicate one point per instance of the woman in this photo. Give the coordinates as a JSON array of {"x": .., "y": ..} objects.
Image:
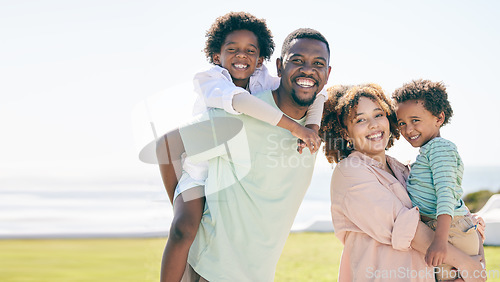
[{"x": 372, "y": 214}]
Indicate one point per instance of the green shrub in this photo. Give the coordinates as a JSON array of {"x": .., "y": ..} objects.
[{"x": 475, "y": 201}]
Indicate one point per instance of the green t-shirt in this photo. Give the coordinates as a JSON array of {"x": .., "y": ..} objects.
[
  {"x": 256, "y": 182},
  {"x": 435, "y": 181}
]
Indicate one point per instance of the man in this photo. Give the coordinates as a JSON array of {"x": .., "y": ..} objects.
[{"x": 256, "y": 179}]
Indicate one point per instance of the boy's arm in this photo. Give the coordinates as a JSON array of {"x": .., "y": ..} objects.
[
  {"x": 315, "y": 111},
  {"x": 436, "y": 252},
  {"x": 219, "y": 91},
  {"x": 250, "y": 105},
  {"x": 313, "y": 118},
  {"x": 256, "y": 108},
  {"x": 443, "y": 163},
  {"x": 216, "y": 89}
]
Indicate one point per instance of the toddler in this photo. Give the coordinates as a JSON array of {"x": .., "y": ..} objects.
[{"x": 435, "y": 180}]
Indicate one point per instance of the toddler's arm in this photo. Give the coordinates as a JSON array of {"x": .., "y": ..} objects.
[
  {"x": 314, "y": 116},
  {"x": 255, "y": 107},
  {"x": 315, "y": 111},
  {"x": 436, "y": 253},
  {"x": 218, "y": 91}
]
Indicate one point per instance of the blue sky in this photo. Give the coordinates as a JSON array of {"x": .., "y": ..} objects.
[{"x": 72, "y": 72}]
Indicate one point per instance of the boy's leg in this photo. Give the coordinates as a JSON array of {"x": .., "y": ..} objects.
[
  {"x": 191, "y": 276},
  {"x": 169, "y": 149},
  {"x": 187, "y": 217},
  {"x": 463, "y": 235}
]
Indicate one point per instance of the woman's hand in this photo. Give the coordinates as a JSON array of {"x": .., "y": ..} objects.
[{"x": 480, "y": 225}]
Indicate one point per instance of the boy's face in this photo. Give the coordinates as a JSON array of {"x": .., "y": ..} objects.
[
  {"x": 240, "y": 56},
  {"x": 416, "y": 123}
]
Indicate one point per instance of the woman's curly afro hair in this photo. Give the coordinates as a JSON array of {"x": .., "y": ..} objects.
[
  {"x": 233, "y": 21},
  {"x": 342, "y": 102}
]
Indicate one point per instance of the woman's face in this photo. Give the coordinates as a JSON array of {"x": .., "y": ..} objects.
[{"x": 368, "y": 129}]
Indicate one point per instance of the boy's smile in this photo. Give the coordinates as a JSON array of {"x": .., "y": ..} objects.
[
  {"x": 240, "y": 55},
  {"x": 416, "y": 123}
]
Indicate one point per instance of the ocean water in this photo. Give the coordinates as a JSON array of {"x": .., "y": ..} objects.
[{"x": 141, "y": 209}]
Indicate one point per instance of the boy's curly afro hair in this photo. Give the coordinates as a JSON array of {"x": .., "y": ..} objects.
[
  {"x": 342, "y": 102},
  {"x": 432, "y": 94},
  {"x": 233, "y": 21}
]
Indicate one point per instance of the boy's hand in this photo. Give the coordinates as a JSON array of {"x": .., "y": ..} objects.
[
  {"x": 436, "y": 252},
  {"x": 307, "y": 138}
]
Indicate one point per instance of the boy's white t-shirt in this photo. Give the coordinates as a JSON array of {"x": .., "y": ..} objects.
[{"x": 216, "y": 89}]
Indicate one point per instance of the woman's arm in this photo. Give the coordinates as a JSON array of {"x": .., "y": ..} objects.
[
  {"x": 466, "y": 264},
  {"x": 356, "y": 192}
]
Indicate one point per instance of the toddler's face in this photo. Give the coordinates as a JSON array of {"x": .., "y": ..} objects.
[
  {"x": 416, "y": 123},
  {"x": 240, "y": 55}
]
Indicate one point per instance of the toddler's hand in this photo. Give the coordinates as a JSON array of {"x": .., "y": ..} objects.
[
  {"x": 436, "y": 253},
  {"x": 307, "y": 138}
]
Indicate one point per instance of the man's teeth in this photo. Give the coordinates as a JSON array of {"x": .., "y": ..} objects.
[
  {"x": 376, "y": 135},
  {"x": 240, "y": 66},
  {"x": 305, "y": 82},
  {"x": 414, "y": 137}
]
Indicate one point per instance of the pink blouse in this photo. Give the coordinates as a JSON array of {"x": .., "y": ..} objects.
[{"x": 373, "y": 217}]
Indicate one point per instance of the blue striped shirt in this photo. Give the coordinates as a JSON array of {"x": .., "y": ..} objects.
[{"x": 435, "y": 180}]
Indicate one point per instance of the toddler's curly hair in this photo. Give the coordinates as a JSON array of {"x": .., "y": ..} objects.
[
  {"x": 432, "y": 94},
  {"x": 233, "y": 21},
  {"x": 341, "y": 104}
]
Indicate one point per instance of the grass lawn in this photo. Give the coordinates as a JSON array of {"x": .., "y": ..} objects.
[{"x": 306, "y": 257}]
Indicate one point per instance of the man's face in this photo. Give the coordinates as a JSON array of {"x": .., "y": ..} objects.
[{"x": 304, "y": 70}]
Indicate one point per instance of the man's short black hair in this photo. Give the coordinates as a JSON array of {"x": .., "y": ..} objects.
[{"x": 308, "y": 33}]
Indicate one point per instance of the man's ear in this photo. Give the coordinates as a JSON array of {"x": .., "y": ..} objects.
[
  {"x": 260, "y": 61},
  {"x": 440, "y": 119},
  {"x": 216, "y": 59},
  {"x": 279, "y": 66}
]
